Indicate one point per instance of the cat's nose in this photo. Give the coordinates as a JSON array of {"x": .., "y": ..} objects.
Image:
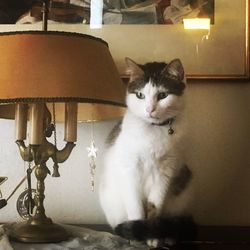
[{"x": 150, "y": 109}]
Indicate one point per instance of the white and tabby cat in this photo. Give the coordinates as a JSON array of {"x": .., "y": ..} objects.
[{"x": 145, "y": 182}]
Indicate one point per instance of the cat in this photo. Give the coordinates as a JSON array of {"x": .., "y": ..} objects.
[{"x": 144, "y": 188}]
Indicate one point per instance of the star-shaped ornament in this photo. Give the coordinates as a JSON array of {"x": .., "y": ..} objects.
[{"x": 92, "y": 150}]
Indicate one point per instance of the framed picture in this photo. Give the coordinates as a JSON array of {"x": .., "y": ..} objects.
[
  {"x": 153, "y": 30},
  {"x": 222, "y": 52}
]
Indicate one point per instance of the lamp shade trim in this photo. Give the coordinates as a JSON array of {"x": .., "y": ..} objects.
[
  {"x": 59, "y": 33},
  {"x": 59, "y": 99}
]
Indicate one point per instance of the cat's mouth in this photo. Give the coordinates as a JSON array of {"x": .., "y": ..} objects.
[{"x": 153, "y": 119}]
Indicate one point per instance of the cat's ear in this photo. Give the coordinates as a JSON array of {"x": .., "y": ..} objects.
[
  {"x": 175, "y": 69},
  {"x": 133, "y": 69}
]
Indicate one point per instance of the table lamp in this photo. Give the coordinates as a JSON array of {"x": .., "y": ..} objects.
[{"x": 42, "y": 74}]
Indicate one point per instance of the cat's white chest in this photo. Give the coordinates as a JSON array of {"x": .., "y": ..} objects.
[
  {"x": 148, "y": 149},
  {"x": 152, "y": 143}
]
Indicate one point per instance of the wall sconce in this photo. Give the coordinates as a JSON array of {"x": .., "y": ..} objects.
[
  {"x": 42, "y": 74},
  {"x": 196, "y": 23}
]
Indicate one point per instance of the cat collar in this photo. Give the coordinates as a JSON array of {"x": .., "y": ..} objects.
[{"x": 168, "y": 122}]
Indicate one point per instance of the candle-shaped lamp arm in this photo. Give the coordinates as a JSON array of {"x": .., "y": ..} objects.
[
  {"x": 63, "y": 154},
  {"x": 24, "y": 151}
]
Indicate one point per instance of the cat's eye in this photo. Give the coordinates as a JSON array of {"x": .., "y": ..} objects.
[
  {"x": 140, "y": 95},
  {"x": 161, "y": 95}
]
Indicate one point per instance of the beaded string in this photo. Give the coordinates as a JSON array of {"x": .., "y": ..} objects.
[{"x": 92, "y": 154}]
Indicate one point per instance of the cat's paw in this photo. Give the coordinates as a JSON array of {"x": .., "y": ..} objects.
[
  {"x": 127, "y": 230},
  {"x": 154, "y": 243},
  {"x": 163, "y": 243},
  {"x": 132, "y": 230}
]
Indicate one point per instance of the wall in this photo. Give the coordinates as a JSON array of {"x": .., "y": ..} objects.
[
  {"x": 219, "y": 155},
  {"x": 219, "y": 152}
]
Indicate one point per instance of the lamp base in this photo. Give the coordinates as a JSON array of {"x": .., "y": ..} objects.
[{"x": 33, "y": 232}]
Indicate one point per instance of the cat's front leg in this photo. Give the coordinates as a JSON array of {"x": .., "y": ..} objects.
[
  {"x": 156, "y": 196},
  {"x": 160, "y": 181},
  {"x": 132, "y": 194}
]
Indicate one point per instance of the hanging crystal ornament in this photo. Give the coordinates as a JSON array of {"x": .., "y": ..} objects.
[{"x": 92, "y": 154}]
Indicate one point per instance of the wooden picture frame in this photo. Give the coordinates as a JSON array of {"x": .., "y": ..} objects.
[{"x": 220, "y": 53}]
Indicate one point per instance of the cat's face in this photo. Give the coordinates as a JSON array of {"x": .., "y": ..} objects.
[{"x": 155, "y": 90}]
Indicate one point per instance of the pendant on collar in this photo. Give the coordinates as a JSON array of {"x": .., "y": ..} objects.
[
  {"x": 168, "y": 122},
  {"x": 170, "y": 130}
]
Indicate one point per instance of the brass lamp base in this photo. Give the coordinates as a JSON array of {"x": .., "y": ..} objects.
[{"x": 31, "y": 232}]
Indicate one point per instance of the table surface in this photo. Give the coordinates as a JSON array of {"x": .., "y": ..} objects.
[
  {"x": 218, "y": 238},
  {"x": 210, "y": 238}
]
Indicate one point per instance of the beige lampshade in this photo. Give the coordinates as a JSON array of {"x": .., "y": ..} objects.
[{"x": 59, "y": 67}]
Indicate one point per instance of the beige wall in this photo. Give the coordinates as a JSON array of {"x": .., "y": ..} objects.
[
  {"x": 220, "y": 151},
  {"x": 219, "y": 155}
]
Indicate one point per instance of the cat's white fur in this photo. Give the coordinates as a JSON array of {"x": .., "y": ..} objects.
[{"x": 138, "y": 167}]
